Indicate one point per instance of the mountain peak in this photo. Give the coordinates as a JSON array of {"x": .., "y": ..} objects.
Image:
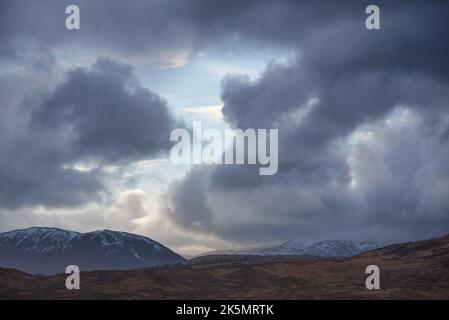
[
  {"x": 36, "y": 229},
  {"x": 324, "y": 248},
  {"x": 50, "y": 250}
]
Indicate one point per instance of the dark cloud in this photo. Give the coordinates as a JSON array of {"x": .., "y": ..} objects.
[
  {"x": 94, "y": 117},
  {"x": 32, "y": 173},
  {"x": 146, "y": 29},
  {"x": 392, "y": 81},
  {"x": 409, "y": 29},
  {"x": 362, "y": 114},
  {"x": 391, "y": 187},
  {"x": 106, "y": 114}
]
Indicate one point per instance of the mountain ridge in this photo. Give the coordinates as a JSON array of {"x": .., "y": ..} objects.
[
  {"x": 49, "y": 250},
  {"x": 324, "y": 248},
  {"x": 412, "y": 270}
]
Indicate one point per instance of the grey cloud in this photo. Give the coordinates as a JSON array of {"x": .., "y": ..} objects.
[
  {"x": 146, "y": 27},
  {"x": 400, "y": 178},
  {"x": 187, "y": 201},
  {"x": 95, "y": 116},
  {"x": 360, "y": 78},
  {"x": 106, "y": 114},
  {"x": 31, "y": 163},
  {"x": 112, "y": 28},
  {"x": 32, "y": 173}
]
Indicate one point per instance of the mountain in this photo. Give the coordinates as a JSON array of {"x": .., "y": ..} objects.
[
  {"x": 339, "y": 248},
  {"x": 50, "y": 251},
  {"x": 286, "y": 248},
  {"x": 415, "y": 270},
  {"x": 329, "y": 248}
]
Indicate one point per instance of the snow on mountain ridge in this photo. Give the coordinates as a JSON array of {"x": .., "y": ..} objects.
[
  {"x": 333, "y": 248},
  {"x": 326, "y": 248},
  {"x": 51, "y": 250},
  {"x": 43, "y": 239},
  {"x": 39, "y": 240}
]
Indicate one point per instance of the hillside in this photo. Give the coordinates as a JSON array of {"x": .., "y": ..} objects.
[{"x": 416, "y": 270}]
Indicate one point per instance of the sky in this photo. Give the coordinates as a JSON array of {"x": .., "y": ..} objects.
[{"x": 363, "y": 119}]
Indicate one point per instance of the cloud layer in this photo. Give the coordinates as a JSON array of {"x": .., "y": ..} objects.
[
  {"x": 361, "y": 118},
  {"x": 363, "y": 115},
  {"x": 57, "y": 153}
]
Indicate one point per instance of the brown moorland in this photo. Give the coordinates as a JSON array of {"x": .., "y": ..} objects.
[{"x": 415, "y": 270}]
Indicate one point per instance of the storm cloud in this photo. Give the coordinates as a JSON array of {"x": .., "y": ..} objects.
[
  {"x": 106, "y": 114},
  {"x": 363, "y": 115},
  {"x": 95, "y": 117},
  {"x": 360, "y": 115}
]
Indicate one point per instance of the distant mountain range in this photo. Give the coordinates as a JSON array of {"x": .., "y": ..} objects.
[
  {"x": 414, "y": 270},
  {"x": 50, "y": 250},
  {"x": 328, "y": 248}
]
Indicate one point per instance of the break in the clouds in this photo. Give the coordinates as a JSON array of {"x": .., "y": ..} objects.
[{"x": 363, "y": 115}]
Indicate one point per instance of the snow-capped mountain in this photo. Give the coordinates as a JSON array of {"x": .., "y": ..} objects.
[
  {"x": 330, "y": 248},
  {"x": 339, "y": 248},
  {"x": 51, "y": 250},
  {"x": 286, "y": 248}
]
